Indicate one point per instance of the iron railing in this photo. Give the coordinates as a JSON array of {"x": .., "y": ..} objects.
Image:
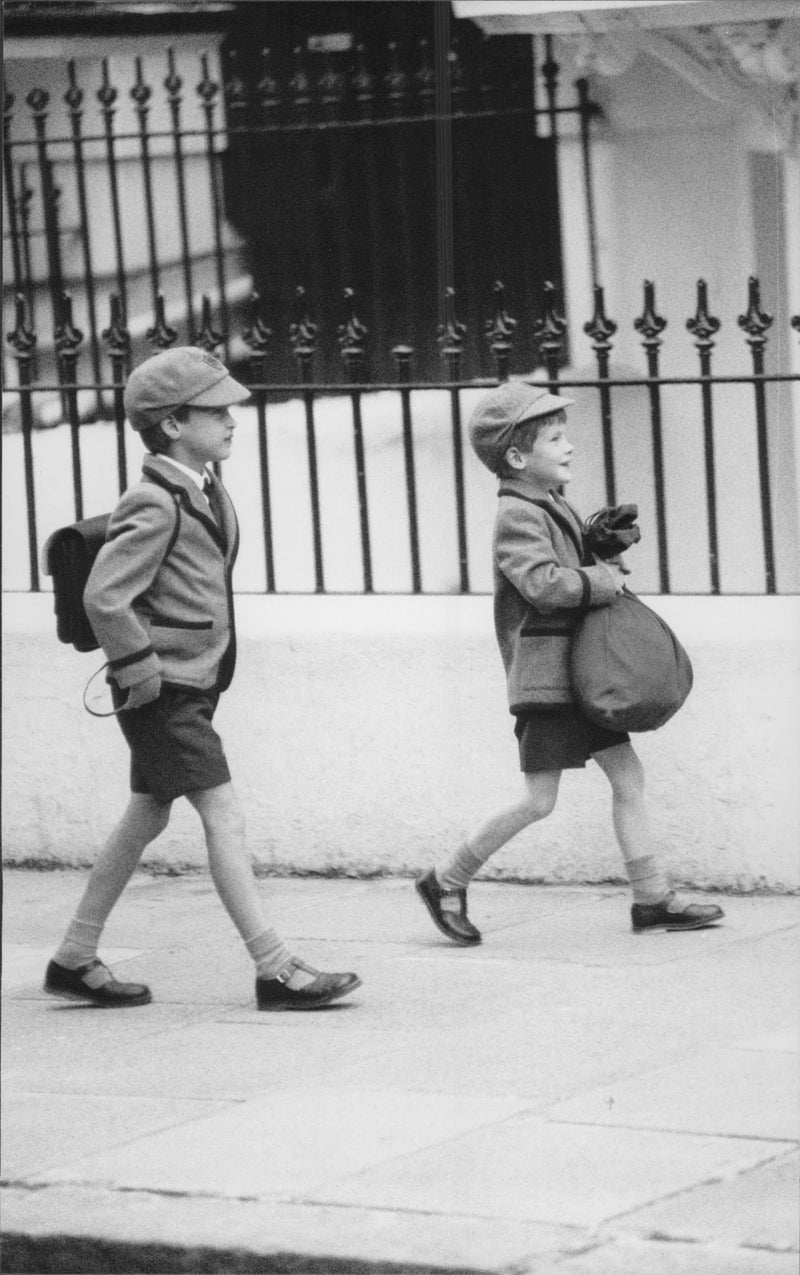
[{"x": 499, "y": 333}]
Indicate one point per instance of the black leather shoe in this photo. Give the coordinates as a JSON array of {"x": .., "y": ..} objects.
[
  {"x": 273, "y": 993},
  {"x": 76, "y": 985},
  {"x": 456, "y": 925},
  {"x": 657, "y": 916}
]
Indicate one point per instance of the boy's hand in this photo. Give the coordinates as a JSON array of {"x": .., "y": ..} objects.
[
  {"x": 618, "y": 574},
  {"x": 143, "y": 693}
]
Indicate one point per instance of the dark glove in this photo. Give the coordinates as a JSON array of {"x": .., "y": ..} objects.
[{"x": 611, "y": 530}]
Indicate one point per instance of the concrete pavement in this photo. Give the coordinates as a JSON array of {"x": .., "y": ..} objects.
[{"x": 569, "y": 1097}]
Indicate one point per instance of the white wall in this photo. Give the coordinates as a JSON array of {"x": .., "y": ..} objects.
[{"x": 367, "y": 735}]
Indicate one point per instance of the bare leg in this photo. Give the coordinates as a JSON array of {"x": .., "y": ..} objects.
[
  {"x": 143, "y": 820},
  {"x": 235, "y": 882},
  {"x": 536, "y": 802},
  {"x": 625, "y": 773}
]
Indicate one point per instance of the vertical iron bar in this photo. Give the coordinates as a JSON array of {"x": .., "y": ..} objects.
[
  {"x": 208, "y": 91},
  {"x": 549, "y": 333},
  {"x": 703, "y": 326},
  {"x": 755, "y": 323},
  {"x": 601, "y": 329},
  {"x": 402, "y": 355},
  {"x": 302, "y": 336},
  {"x": 38, "y": 101},
  {"x": 651, "y": 324},
  {"x": 74, "y": 100},
  {"x": 8, "y": 176},
  {"x": 23, "y": 342},
  {"x": 451, "y": 339},
  {"x": 141, "y": 95},
  {"x": 500, "y": 332},
  {"x": 256, "y": 336},
  {"x": 582, "y": 85},
  {"x": 25, "y": 199},
  {"x": 118, "y": 342},
  {"x": 173, "y": 84},
  {"x": 68, "y": 340},
  {"x": 107, "y": 96},
  {"x": 352, "y": 336}
]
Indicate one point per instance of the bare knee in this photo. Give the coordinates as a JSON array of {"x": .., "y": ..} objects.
[
  {"x": 541, "y": 794},
  {"x": 219, "y": 810},
  {"x": 625, "y": 772}
]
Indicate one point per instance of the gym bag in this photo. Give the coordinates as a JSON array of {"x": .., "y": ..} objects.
[
  {"x": 68, "y": 556},
  {"x": 629, "y": 671}
]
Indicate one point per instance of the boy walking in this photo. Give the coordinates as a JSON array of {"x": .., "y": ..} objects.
[
  {"x": 160, "y": 601},
  {"x": 540, "y": 589}
]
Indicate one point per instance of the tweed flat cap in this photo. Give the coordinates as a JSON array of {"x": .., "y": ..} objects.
[
  {"x": 183, "y": 375},
  {"x": 492, "y": 424}
]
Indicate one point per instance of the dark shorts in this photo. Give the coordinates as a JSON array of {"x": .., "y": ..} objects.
[
  {"x": 174, "y": 747},
  {"x": 561, "y": 738}
]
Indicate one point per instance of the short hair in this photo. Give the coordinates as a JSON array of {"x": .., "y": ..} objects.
[
  {"x": 526, "y": 434},
  {"x": 155, "y": 438}
]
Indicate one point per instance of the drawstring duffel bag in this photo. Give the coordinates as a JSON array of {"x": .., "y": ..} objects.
[{"x": 629, "y": 671}]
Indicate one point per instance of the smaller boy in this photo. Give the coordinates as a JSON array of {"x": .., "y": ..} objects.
[
  {"x": 160, "y": 601},
  {"x": 541, "y": 587}
]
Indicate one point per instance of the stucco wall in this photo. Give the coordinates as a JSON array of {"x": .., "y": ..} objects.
[{"x": 368, "y": 734}]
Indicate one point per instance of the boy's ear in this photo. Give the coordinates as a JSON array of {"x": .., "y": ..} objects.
[
  {"x": 514, "y": 458},
  {"x": 171, "y": 427}
]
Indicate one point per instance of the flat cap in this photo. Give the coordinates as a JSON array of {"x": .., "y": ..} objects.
[
  {"x": 492, "y": 424},
  {"x": 182, "y": 375}
]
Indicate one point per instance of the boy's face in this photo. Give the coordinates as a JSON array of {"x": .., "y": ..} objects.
[
  {"x": 205, "y": 436},
  {"x": 547, "y": 464}
]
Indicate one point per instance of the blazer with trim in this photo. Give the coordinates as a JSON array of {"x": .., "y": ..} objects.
[
  {"x": 159, "y": 596},
  {"x": 541, "y": 588}
]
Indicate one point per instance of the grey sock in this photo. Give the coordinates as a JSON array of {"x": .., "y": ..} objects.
[
  {"x": 269, "y": 952},
  {"x": 79, "y": 944},
  {"x": 648, "y": 882},
  {"x": 457, "y": 871}
]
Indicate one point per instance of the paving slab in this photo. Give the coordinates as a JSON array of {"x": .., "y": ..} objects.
[
  {"x": 757, "y": 1209},
  {"x": 668, "y": 1259},
  {"x": 267, "y": 1228},
  {"x": 528, "y": 1169},
  {"x": 287, "y": 1143},
  {"x": 741, "y": 1093},
  {"x": 42, "y": 1131}
]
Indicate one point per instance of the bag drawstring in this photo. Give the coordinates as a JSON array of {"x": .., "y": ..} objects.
[{"x": 115, "y": 711}]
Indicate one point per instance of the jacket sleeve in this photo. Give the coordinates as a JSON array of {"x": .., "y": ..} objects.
[
  {"x": 139, "y": 534},
  {"x": 526, "y": 554}
]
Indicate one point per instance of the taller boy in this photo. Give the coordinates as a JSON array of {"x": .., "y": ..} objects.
[
  {"x": 161, "y": 604},
  {"x": 541, "y": 586}
]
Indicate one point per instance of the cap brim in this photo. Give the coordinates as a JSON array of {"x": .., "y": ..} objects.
[
  {"x": 223, "y": 394},
  {"x": 544, "y": 406}
]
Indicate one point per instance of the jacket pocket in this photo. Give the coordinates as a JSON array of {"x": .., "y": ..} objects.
[
  {"x": 164, "y": 622},
  {"x": 540, "y": 672}
]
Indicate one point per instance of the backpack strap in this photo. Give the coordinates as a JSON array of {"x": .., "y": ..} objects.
[
  {"x": 175, "y": 530},
  {"x": 555, "y": 513}
]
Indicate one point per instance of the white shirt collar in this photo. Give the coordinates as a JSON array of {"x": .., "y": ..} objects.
[{"x": 199, "y": 479}]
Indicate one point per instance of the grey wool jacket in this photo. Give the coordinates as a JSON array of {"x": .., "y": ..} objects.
[
  {"x": 159, "y": 595},
  {"x": 541, "y": 588}
]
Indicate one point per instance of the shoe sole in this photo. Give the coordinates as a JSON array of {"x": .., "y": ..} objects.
[
  {"x": 675, "y": 929},
  {"x": 438, "y": 924},
  {"x": 317, "y": 1004},
  {"x": 130, "y": 1003}
]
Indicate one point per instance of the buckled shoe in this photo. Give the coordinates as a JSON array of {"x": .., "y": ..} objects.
[
  {"x": 657, "y": 916},
  {"x": 456, "y": 925},
  {"x": 273, "y": 993},
  {"x": 95, "y": 983}
]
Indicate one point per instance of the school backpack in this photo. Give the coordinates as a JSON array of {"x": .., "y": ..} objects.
[
  {"x": 68, "y": 556},
  {"x": 629, "y": 671}
]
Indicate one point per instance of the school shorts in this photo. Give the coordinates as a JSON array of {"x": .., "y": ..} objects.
[
  {"x": 561, "y": 738},
  {"x": 174, "y": 747}
]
